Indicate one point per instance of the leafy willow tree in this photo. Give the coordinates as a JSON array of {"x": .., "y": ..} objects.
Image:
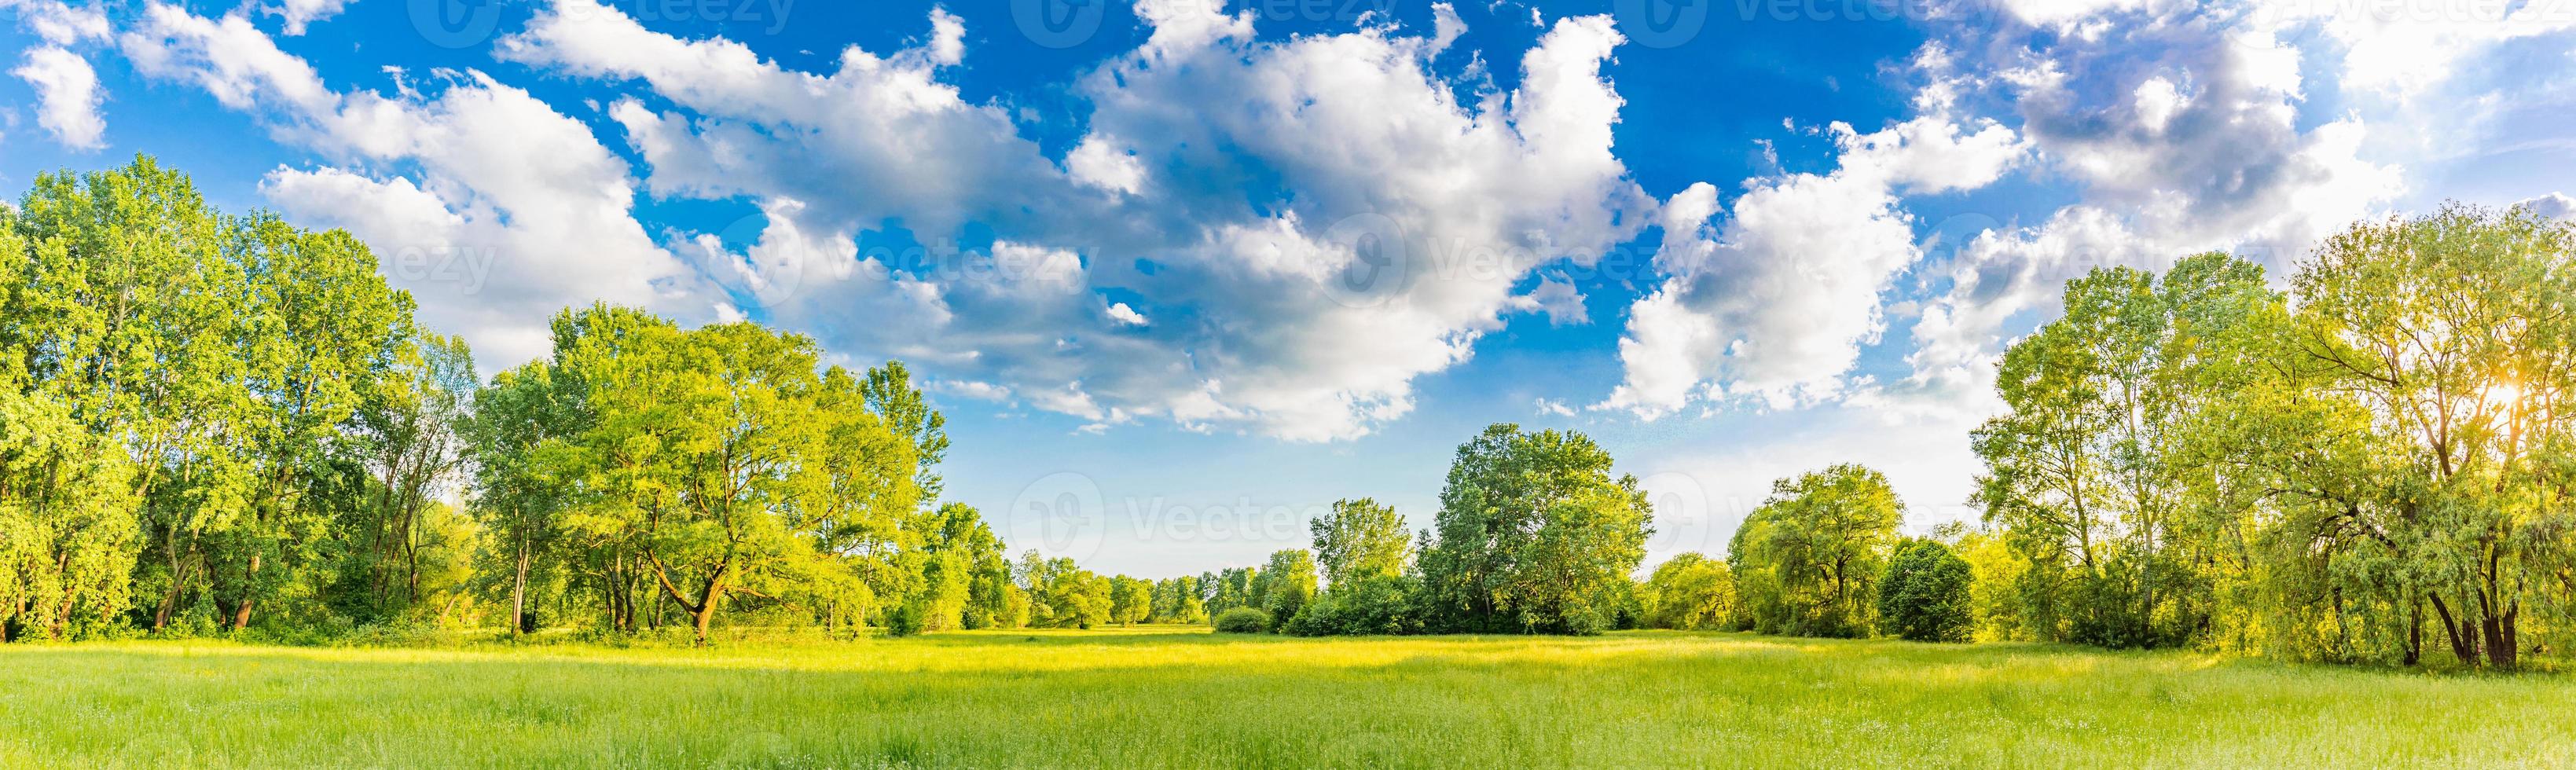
[
  {"x": 1360, "y": 538},
  {"x": 1690, "y": 592},
  {"x": 1807, "y": 563},
  {"x": 2440, "y": 354},
  {"x": 1534, "y": 534},
  {"x": 1924, "y": 596}
]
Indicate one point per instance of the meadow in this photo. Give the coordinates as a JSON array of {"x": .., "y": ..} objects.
[{"x": 1181, "y": 697}]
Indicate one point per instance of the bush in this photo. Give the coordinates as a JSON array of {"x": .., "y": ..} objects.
[
  {"x": 1243, "y": 620},
  {"x": 1376, "y": 606},
  {"x": 1924, "y": 594}
]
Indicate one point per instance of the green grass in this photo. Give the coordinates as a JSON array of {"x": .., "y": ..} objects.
[{"x": 1181, "y": 697}]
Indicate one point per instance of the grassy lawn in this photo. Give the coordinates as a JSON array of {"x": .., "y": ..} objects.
[{"x": 1181, "y": 697}]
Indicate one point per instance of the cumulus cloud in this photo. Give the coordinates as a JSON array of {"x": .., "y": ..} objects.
[
  {"x": 1314, "y": 222},
  {"x": 67, "y": 89},
  {"x": 67, "y": 96},
  {"x": 492, "y": 208},
  {"x": 1773, "y": 304},
  {"x": 2553, "y": 205},
  {"x": 2181, "y": 127}
]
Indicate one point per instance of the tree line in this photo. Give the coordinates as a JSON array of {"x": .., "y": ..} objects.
[
  {"x": 2372, "y": 464},
  {"x": 215, "y": 423}
]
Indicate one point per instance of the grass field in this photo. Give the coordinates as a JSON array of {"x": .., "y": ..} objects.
[{"x": 1182, "y": 697}]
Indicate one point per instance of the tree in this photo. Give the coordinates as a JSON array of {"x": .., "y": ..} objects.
[
  {"x": 1690, "y": 592},
  {"x": 2091, "y": 472},
  {"x": 2441, "y": 352},
  {"x": 1287, "y": 584},
  {"x": 412, "y": 429},
  {"x": 1360, "y": 538},
  {"x": 1807, "y": 562},
  {"x": 1130, "y": 600},
  {"x": 1924, "y": 595},
  {"x": 68, "y": 531},
  {"x": 1532, "y": 530}
]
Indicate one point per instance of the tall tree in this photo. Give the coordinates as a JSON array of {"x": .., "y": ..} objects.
[
  {"x": 1361, "y": 538},
  {"x": 2449, "y": 341},
  {"x": 2090, "y": 471}
]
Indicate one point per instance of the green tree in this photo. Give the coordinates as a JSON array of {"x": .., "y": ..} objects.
[
  {"x": 1287, "y": 584},
  {"x": 1360, "y": 538},
  {"x": 1807, "y": 562},
  {"x": 1131, "y": 601},
  {"x": 1531, "y": 533},
  {"x": 1690, "y": 592},
  {"x": 2428, "y": 462},
  {"x": 2092, "y": 471},
  {"x": 1924, "y": 595}
]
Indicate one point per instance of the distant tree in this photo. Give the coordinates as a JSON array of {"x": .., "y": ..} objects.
[
  {"x": 1924, "y": 594},
  {"x": 1807, "y": 562},
  {"x": 1690, "y": 592},
  {"x": 1287, "y": 584},
  {"x": 1130, "y": 600},
  {"x": 1360, "y": 538},
  {"x": 1376, "y": 605},
  {"x": 1534, "y": 534}
]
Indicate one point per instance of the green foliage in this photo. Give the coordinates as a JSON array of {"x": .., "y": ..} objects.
[
  {"x": 1690, "y": 592},
  {"x": 1534, "y": 535},
  {"x": 1360, "y": 539},
  {"x": 1924, "y": 596},
  {"x": 1376, "y": 605},
  {"x": 1286, "y": 584},
  {"x": 1807, "y": 562},
  {"x": 1243, "y": 620},
  {"x": 2093, "y": 473}
]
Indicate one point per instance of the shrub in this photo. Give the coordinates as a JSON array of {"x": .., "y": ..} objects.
[
  {"x": 1373, "y": 606},
  {"x": 1924, "y": 594},
  {"x": 1243, "y": 620}
]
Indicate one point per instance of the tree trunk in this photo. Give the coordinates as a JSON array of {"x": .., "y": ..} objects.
[
  {"x": 2503, "y": 650},
  {"x": 250, "y": 579},
  {"x": 706, "y": 609},
  {"x": 519, "y": 590},
  {"x": 2462, "y": 633}
]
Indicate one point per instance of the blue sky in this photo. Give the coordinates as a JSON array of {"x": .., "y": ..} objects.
[{"x": 1182, "y": 272}]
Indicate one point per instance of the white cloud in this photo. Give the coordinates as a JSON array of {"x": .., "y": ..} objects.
[
  {"x": 2554, "y": 205},
  {"x": 1317, "y": 221},
  {"x": 67, "y": 96},
  {"x": 1121, "y": 313},
  {"x": 1446, "y": 27},
  {"x": 492, "y": 208},
  {"x": 57, "y": 23},
  {"x": 300, "y": 13},
  {"x": 1775, "y": 304},
  {"x": 2205, "y": 150}
]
